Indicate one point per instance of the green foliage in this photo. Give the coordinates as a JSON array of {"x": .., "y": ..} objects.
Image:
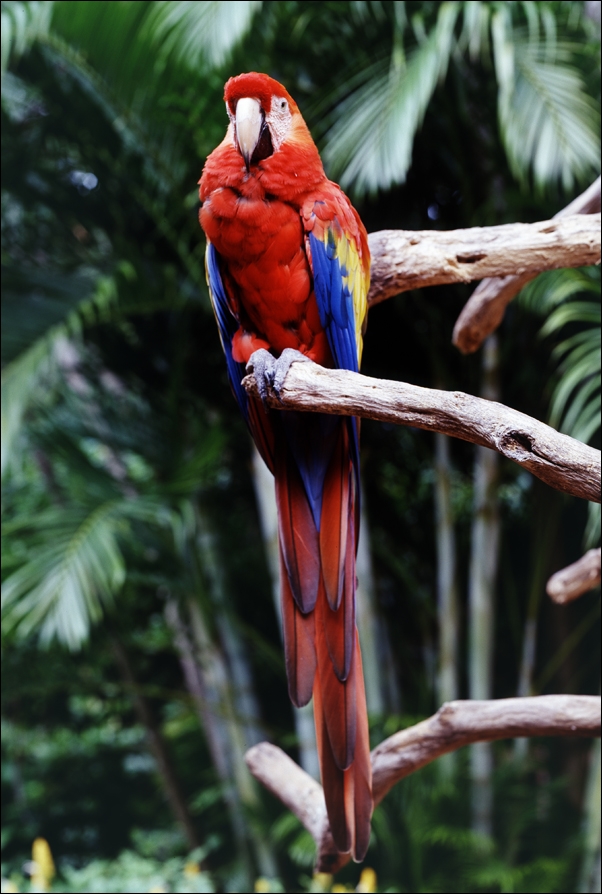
[
  {"x": 369, "y": 145},
  {"x": 75, "y": 568},
  {"x": 570, "y": 302},
  {"x": 132, "y": 872},
  {"x": 126, "y": 469},
  {"x": 548, "y": 123},
  {"x": 22, "y": 25},
  {"x": 34, "y": 369},
  {"x": 200, "y": 34}
]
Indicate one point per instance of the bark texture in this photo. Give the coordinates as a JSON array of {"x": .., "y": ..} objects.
[
  {"x": 484, "y": 310},
  {"x": 454, "y": 725},
  {"x": 576, "y": 579},
  {"x": 413, "y": 259},
  {"x": 562, "y": 462}
]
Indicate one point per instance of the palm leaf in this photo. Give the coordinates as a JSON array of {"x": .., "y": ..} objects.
[
  {"x": 200, "y": 33},
  {"x": 549, "y": 124},
  {"x": 561, "y": 296},
  {"x": 75, "y": 570},
  {"x": 369, "y": 145},
  {"x": 23, "y": 376},
  {"x": 74, "y": 566},
  {"x": 22, "y": 25}
]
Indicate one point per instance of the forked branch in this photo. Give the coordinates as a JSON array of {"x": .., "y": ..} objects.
[
  {"x": 484, "y": 310},
  {"x": 562, "y": 462},
  {"x": 454, "y": 725}
]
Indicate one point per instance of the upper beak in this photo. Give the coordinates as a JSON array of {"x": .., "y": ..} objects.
[{"x": 248, "y": 127}]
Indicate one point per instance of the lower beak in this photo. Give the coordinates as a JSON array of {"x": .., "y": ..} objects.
[{"x": 249, "y": 121}]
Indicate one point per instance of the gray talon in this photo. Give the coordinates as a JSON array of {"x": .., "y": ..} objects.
[
  {"x": 262, "y": 365},
  {"x": 282, "y": 366},
  {"x": 270, "y": 372}
]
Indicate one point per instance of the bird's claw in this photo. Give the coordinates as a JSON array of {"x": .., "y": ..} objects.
[{"x": 270, "y": 372}]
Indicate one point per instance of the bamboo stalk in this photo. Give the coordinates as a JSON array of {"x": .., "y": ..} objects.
[{"x": 484, "y": 556}]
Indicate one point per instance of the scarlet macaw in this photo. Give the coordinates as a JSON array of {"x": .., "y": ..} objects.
[{"x": 288, "y": 268}]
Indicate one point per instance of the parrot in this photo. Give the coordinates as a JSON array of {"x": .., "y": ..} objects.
[{"x": 288, "y": 269}]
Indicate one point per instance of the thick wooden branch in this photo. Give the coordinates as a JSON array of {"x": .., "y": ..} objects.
[
  {"x": 454, "y": 725},
  {"x": 484, "y": 310},
  {"x": 576, "y": 579},
  {"x": 562, "y": 462},
  {"x": 407, "y": 259}
]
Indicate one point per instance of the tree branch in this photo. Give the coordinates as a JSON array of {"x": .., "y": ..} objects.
[
  {"x": 454, "y": 725},
  {"x": 484, "y": 310},
  {"x": 562, "y": 462},
  {"x": 408, "y": 259},
  {"x": 576, "y": 579}
]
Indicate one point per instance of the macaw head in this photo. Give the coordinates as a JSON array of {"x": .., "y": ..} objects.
[{"x": 263, "y": 116}]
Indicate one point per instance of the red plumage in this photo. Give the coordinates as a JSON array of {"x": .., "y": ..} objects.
[{"x": 288, "y": 268}]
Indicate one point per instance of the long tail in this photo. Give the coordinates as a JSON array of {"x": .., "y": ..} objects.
[{"x": 316, "y": 492}]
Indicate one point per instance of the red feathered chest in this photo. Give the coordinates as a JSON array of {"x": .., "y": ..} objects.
[{"x": 261, "y": 242}]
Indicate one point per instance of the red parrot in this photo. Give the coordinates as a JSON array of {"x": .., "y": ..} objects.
[{"x": 288, "y": 272}]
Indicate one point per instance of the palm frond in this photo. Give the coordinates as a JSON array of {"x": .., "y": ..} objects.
[
  {"x": 23, "y": 377},
  {"x": 75, "y": 569},
  {"x": 369, "y": 145},
  {"x": 200, "y": 34},
  {"x": 74, "y": 566},
  {"x": 561, "y": 296},
  {"x": 474, "y": 37},
  {"x": 22, "y": 25},
  {"x": 554, "y": 287},
  {"x": 549, "y": 125}
]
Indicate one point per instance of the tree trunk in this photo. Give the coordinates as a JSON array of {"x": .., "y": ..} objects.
[
  {"x": 544, "y": 531},
  {"x": 447, "y": 595},
  {"x": 247, "y": 704},
  {"x": 233, "y": 678},
  {"x": 157, "y": 745},
  {"x": 590, "y": 869},
  {"x": 201, "y": 684},
  {"x": 481, "y": 591}
]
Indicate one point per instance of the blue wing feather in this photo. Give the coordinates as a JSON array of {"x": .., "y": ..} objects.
[
  {"x": 335, "y": 305},
  {"x": 227, "y": 324}
]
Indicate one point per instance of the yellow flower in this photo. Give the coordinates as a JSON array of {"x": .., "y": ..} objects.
[
  {"x": 262, "y": 885},
  {"x": 43, "y": 869},
  {"x": 341, "y": 889},
  {"x": 191, "y": 869},
  {"x": 157, "y": 890},
  {"x": 323, "y": 880},
  {"x": 367, "y": 882}
]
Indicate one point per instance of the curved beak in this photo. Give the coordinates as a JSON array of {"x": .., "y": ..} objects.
[{"x": 249, "y": 121}]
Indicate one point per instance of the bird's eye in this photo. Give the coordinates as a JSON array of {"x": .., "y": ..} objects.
[{"x": 283, "y": 104}]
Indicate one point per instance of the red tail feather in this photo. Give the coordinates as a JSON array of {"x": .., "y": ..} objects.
[
  {"x": 298, "y": 536},
  {"x": 299, "y": 647},
  {"x": 336, "y": 507},
  {"x": 321, "y": 645}
]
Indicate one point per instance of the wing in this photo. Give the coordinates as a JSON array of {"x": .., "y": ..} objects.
[
  {"x": 340, "y": 262},
  {"x": 253, "y": 412},
  {"x": 227, "y": 325}
]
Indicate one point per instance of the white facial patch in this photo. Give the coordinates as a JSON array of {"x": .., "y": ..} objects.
[{"x": 279, "y": 121}]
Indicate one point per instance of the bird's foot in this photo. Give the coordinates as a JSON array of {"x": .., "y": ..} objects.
[{"x": 270, "y": 372}]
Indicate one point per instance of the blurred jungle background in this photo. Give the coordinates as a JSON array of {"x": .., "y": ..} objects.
[{"x": 141, "y": 650}]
